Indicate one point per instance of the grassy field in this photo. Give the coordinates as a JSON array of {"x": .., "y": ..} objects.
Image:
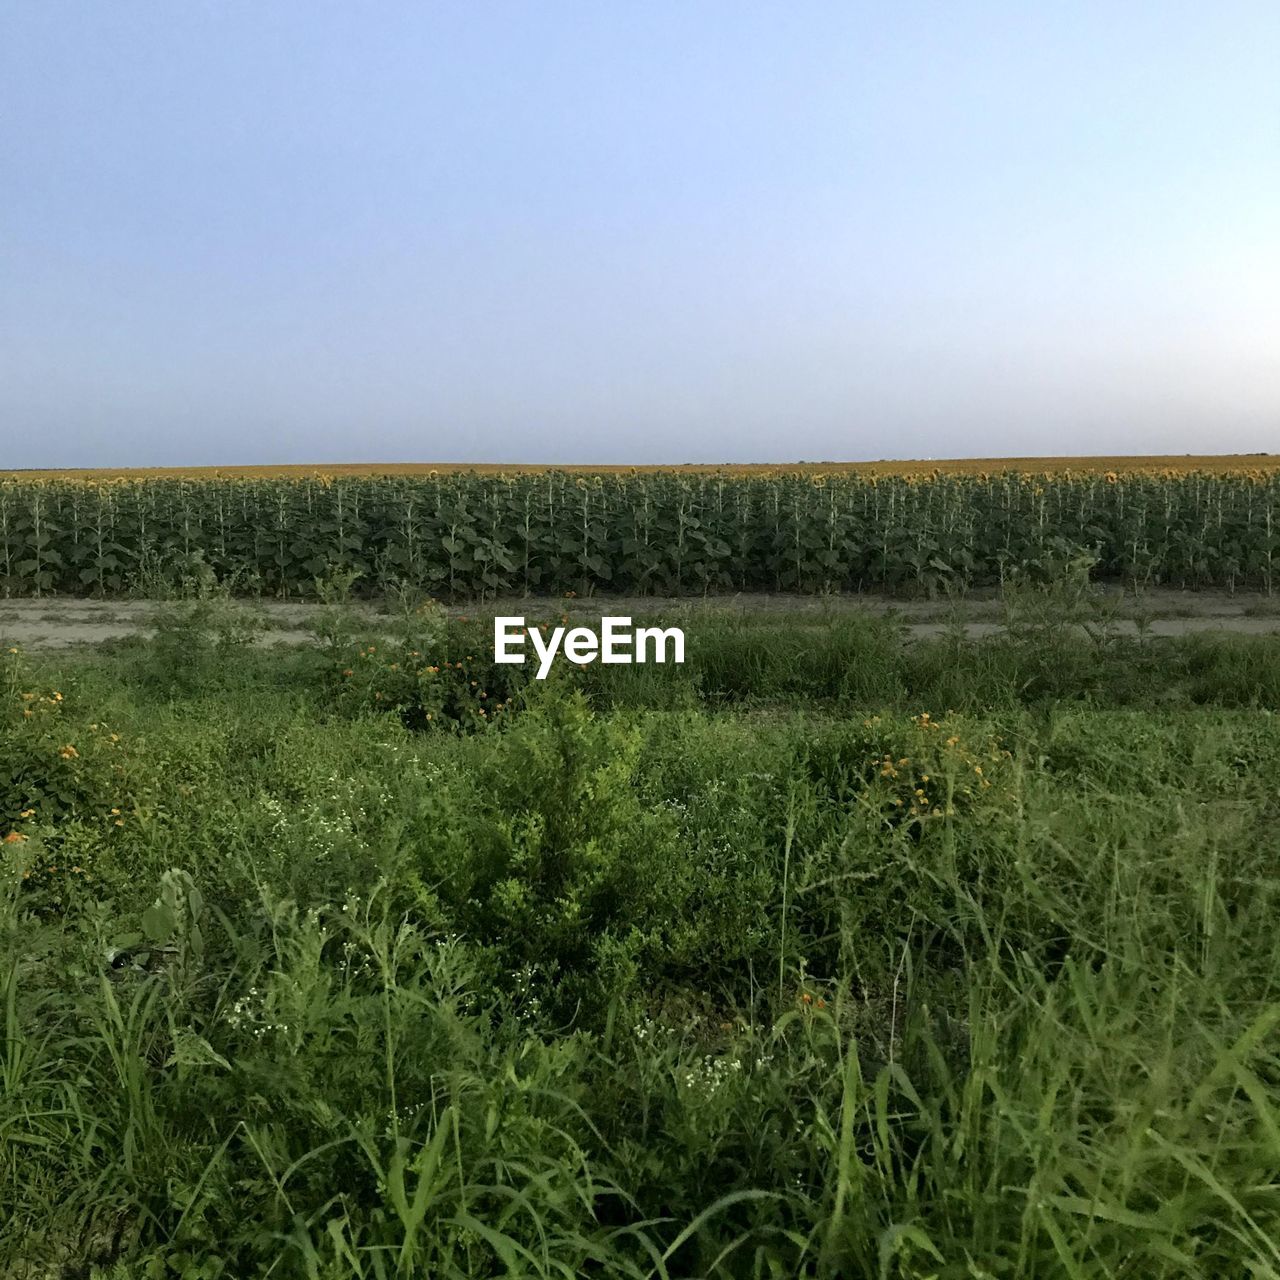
[
  {"x": 1213, "y": 463},
  {"x": 824, "y": 955}
]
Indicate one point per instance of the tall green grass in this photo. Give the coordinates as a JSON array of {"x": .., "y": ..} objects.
[{"x": 660, "y": 979}]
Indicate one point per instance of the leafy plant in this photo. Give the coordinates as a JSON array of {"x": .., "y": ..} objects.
[{"x": 461, "y": 535}]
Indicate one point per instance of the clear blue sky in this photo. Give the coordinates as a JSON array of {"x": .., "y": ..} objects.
[{"x": 704, "y": 230}]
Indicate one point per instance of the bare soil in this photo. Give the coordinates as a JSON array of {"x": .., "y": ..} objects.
[{"x": 59, "y": 623}]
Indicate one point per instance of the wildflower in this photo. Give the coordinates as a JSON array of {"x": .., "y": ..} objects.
[
  {"x": 348, "y": 672},
  {"x": 807, "y": 998},
  {"x": 14, "y": 837},
  {"x": 69, "y": 752},
  {"x": 27, "y": 813}
]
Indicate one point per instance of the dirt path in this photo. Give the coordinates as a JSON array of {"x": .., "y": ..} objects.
[{"x": 63, "y": 623}]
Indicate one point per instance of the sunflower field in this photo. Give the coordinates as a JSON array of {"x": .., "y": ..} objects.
[{"x": 472, "y": 534}]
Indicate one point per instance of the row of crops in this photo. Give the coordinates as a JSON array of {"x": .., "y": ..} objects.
[{"x": 461, "y": 535}]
